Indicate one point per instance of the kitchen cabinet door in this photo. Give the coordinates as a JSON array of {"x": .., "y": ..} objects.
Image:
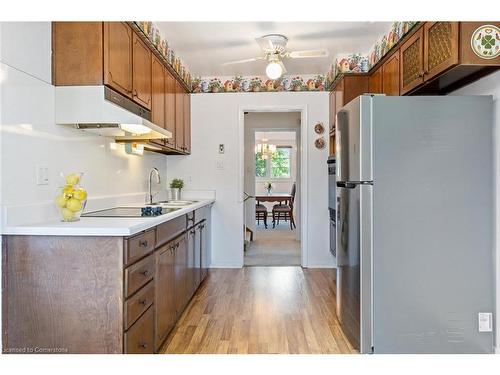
[
  {"x": 375, "y": 82},
  {"x": 440, "y": 47},
  {"x": 197, "y": 254},
  {"x": 118, "y": 57},
  {"x": 180, "y": 273},
  {"x": 158, "y": 93},
  {"x": 179, "y": 117},
  {"x": 141, "y": 72},
  {"x": 187, "y": 123},
  {"x": 390, "y": 75},
  {"x": 203, "y": 235},
  {"x": 191, "y": 271},
  {"x": 164, "y": 305},
  {"x": 412, "y": 62},
  {"x": 170, "y": 107}
]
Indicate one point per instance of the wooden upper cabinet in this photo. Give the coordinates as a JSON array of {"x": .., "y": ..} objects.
[
  {"x": 332, "y": 111},
  {"x": 141, "y": 73},
  {"x": 440, "y": 47},
  {"x": 179, "y": 117},
  {"x": 412, "y": 62},
  {"x": 118, "y": 57},
  {"x": 158, "y": 92},
  {"x": 170, "y": 107},
  {"x": 187, "y": 122},
  {"x": 375, "y": 82},
  {"x": 390, "y": 75},
  {"x": 77, "y": 53}
]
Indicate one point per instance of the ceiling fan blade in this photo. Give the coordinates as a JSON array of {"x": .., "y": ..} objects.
[
  {"x": 243, "y": 61},
  {"x": 308, "y": 54},
  {"x": 265, "y": 44}
]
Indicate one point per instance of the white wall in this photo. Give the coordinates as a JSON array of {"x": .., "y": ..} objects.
[
  {"x": 490, "y": 85},
  {"x": 30, "y": 137},
  {"x": 215, "y": 120}
]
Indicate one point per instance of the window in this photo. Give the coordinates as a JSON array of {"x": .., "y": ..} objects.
[{"x": 277, "y": 166}]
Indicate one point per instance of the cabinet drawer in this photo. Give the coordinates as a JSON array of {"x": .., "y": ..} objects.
[
  {"x": 139, "y": 338},
  {"x": 136, "y": 305},
  {"x": 138, "y": 246},
  {"x": 172, "y": 228},
  {"x": 139, "y": 274}
]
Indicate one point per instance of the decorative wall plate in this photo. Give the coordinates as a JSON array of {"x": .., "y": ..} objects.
[
  {"x": 320, "y": 143},
  {"x": 485, "y": 41},
  {"x": 319, "y": 128}
]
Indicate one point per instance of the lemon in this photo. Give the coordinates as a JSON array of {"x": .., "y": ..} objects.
[
  {"x": 80, "y": 194},
  {"x": 67, "y": 214},
  {"x": 61, "y": 200},
  {"x": 68, "y": 191},
  {"x": 74, "y": 205},
  {"x": 72, "y": 179}
]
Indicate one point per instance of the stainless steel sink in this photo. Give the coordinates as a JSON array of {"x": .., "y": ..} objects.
[{"x": 175, "y": 203}]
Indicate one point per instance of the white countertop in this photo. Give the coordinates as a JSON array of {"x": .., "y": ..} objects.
[{"x": 101, "y": 226}]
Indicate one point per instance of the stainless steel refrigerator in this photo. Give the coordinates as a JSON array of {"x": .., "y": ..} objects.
[{"x": 415, "y": 265}]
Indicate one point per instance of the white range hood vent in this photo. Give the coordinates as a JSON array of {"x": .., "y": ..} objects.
[{"x": 100, "y": 110}]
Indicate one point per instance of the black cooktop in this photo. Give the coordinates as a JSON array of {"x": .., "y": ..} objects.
[{"x": 130, "y": 212}]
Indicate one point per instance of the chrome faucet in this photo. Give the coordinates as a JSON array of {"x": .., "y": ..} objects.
[{"x": 153, "y": 170}]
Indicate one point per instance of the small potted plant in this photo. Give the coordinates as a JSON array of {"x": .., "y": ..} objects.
[{"x": 176, "y": 186}]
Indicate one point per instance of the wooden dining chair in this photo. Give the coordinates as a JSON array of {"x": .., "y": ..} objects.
[
  {"x": 261, "y": 214},
  {"x": 285, "y": 211}
]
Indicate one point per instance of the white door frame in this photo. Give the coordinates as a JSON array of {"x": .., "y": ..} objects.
[{"x": 303, "y": 169}]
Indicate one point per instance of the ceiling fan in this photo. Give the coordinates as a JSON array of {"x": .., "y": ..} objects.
[{"x": 274, "y": 48}]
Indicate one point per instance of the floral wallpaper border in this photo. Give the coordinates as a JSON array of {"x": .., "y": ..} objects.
[
  {"x": 347, "y": 63},
  {"x": 311, "y": 82}
]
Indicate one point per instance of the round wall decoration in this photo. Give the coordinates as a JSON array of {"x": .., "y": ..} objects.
[
  {"x": 319, "y": 128},
  {"x": 320, "y": 143},
  {"x": 485, "y": 41}
]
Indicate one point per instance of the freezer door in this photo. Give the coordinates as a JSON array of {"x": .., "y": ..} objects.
[
  {"x": 353, "y": 137},
  {"x": 433, "y": 224}
]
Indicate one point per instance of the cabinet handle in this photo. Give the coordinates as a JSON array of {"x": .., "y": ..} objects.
[
  {"x": 143, "y": 302},
  {"x": 143, "y": 345},
  {"x": 145, "y": 273},
  {"x": 143, "y": 243}
]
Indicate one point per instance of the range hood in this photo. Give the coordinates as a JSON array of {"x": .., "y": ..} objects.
[{"x": 102, "y": 111}]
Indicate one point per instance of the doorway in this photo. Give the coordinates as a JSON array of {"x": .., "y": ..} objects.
[{"x": 272, "y": 185}]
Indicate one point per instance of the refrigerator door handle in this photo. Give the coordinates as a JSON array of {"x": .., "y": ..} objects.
[{"x": 353, "y": 184}]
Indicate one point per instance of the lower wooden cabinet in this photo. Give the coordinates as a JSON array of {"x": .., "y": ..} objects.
[
  {"x": 165, "y": 313},
  {"x": 93, "y": 295}
]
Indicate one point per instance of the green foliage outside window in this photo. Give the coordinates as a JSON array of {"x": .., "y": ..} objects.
[{"x": 278, "y": 166}]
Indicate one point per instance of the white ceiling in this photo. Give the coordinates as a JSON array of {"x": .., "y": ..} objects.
[{"x": 204, "y": 46}]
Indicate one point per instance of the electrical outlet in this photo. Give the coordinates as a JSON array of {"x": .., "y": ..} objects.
[{"x": 42, "y": 175}]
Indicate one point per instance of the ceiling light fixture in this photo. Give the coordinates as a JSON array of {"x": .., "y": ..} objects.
[
  {"x": 274, "y": 70},
  {"x": 265, "y": 149}
]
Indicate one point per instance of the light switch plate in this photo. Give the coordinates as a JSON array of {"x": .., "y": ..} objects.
[
  {"x": 42, "y": 175},
  {"x": 221, "y": 148}
]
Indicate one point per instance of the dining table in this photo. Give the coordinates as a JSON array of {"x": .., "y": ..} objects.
[{"x": 273, "y": 197}]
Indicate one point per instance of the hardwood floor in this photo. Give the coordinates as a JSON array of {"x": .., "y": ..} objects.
[{"x": 261, "y": 310}]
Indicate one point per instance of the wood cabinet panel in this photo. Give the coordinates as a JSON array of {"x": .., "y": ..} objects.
[
  {"x": 158, "y": 92},
  {"x": 390, "y": 75},
  {"x": 138, "y": 275},
  {"x": 165, "y": 312},
  {"x": 187, "y": 123},
  {"x": 332, "y": 110},
  {"x": 440, "y": 47},
  {"x": 412, "y": 62},
  {"x": 118, "y": 57},
  {"x": 191, "y": 268},
  {"x": 179, "y": 117},
  {"x": 77, "y": 53},
  {"x": 141, "y": 72},
  {"x": 203, "y": 250},
  {"x": 139, "y": 246},
  {"x": 375, "y": 82},
  {"x": 170, "y": 118},
  {"x": 180, "y": 273},
  {"x": 139, "y": 338},
  {"x": 138, "y": 303}
]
